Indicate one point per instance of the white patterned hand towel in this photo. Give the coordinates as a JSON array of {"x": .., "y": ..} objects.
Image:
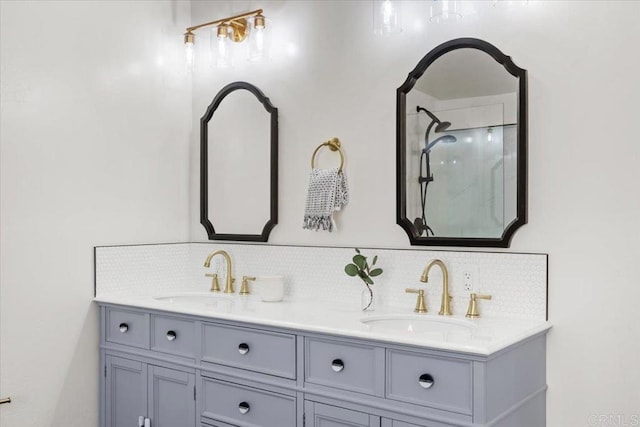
[{"x": 328, "y": 192}]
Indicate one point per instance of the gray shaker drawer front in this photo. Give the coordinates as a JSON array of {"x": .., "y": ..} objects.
[
  {"x": 267, "y": 352},
  {"x": 425, "y": 423},
  {"x": 128, "y": 328},
  {"x": 349, "y": 366},
  {"x": 431, "y": 381},
  {"x": 233, "y": 403},
  {"x": 173, "y": 335}
]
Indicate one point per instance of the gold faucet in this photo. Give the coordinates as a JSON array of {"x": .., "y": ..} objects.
[
  {"x": 215, "y": 286},
  {"x": 244, "y": 289},
  {"x": 445, "y": 307},
  {"x": 228, "y": 289},
  {"x": 472, "y": 310},
  {"x": 421, "y": 306}
]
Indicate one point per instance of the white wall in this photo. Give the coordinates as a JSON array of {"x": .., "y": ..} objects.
[
  {"x": 95, "y": 123},
  {"x": 332, "y": 77}
]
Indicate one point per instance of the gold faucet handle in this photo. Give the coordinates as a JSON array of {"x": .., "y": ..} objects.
[
  {"x": 421, "y": 306},
  {"x": 472, "y": 310},
  {"x": 215, "y": 285},
  {"x": 244, "y": 289}
]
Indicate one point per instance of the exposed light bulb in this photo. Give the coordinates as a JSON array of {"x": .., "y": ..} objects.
[
  {"x": 188, "y": 55},
  {"x": 387, "y": 13},
  {"x": 489, "y": 134},
  {"x": 189, "y": 40},
  {"x": 259, "y": 41},
  {"x": 386, "y": 17},
  {"x": 220, "y": 49},
  {"x": 444, "y": 11},
  {"x": 497, "y": 3}
]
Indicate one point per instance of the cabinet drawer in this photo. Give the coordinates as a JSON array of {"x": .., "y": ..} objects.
[
  {"x": 267, "y": 352},
  {"x": 127, "y": 327},
  {"x": 173, "y": 335},
  {"x": 233, "y": 403},
  {"x": 425, "y": 423},
  {"x": 215, "y": 424},
  {"x": 349, "y": 366},
  {"x": 431, "y": 381}
]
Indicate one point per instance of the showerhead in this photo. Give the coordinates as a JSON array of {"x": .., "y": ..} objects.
[
  {"x": 442, "y": 126},
  {"x": 447, "y": 139}
]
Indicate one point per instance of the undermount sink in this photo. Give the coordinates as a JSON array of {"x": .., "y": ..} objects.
[
  {"x": 418, "y": 324},
  {"x": 207, "y": 299}
]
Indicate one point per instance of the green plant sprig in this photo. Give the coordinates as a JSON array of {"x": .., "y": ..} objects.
[{"x": 361, "y": 268}]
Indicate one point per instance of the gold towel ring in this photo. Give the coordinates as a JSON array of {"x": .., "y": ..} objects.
[{"x": 334, "y": 145}]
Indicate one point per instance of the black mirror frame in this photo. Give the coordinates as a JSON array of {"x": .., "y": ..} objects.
[
  {"x": 204, "y": 167},
  {"x": 522, "y": 176}
]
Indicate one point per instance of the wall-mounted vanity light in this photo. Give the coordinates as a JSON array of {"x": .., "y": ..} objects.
[{"x": 234, "y": 29}]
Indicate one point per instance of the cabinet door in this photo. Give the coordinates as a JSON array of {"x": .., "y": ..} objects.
[
  {"x": 126, "y": 392},
  {"x": 321, "y": 415},
  {"x": 171, "y": 398}
]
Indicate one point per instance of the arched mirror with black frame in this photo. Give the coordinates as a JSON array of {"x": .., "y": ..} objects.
[
  {"x": 462, "y": 147},
  {"x": 239, "y": 165}
]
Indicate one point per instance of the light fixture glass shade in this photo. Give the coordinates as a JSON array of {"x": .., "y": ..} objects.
[
  {"x": 189, "y": 40},
  {"x": 259, "y": 40},
  {"x": 498, "y": 3},
  {"x": 188, "y": 55},
  {"x": 386, "y": 17},
  {"x": 444, "y": 11},
  {"x": 220, "y": 48}
]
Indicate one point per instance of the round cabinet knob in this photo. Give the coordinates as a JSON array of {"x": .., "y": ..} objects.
[
  {"x": 426, "y": 381},
  {"x": 243, "y": 407},
  {"x": 337, "y": 365},
  {"x": 171, "y": 335},
  {"x": 243, "y": 348},
  {"x": 124, "y": 327}
]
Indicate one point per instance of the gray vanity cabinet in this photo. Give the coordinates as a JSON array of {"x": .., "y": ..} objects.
[
  {"x": 321, "y": 415},
  {"x": 136, "y": 389},
  {"x": 185, "y": 371}
]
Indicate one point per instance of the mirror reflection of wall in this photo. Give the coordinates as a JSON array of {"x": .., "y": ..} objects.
[
  {"x": 239, "y": 144},
  {"x": 239, "y": 165}
]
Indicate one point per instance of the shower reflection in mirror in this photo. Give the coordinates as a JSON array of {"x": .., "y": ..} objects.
[
  {"x": 460, "y": 174},
  {"x": 426, "y": 176}
]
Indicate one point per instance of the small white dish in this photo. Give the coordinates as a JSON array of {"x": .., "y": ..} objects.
[{"x": 271, "y": 288}]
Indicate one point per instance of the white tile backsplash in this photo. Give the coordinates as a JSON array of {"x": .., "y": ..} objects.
[{"x": 517, "y": 282}]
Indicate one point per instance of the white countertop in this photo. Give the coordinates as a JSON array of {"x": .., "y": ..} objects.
[{"x": 483, "y": 336}]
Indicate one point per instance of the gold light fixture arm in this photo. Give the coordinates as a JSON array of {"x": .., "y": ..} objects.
[{"x": 237, "y": 22}]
